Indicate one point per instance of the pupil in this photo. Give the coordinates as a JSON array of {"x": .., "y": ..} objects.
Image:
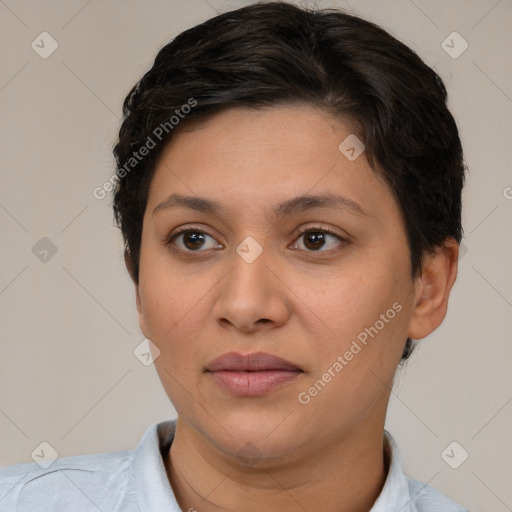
[
  {"x": 193, "y": 240},
  {"x": 315, "y": 238}
]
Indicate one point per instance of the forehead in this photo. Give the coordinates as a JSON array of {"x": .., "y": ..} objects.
[
  {"x": 248, "y": 158},
  {"x": 290, "y": 132}
]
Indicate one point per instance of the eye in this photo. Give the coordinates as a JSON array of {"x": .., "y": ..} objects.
[
  {"x": 192, "y": 240},
  {"x": 316, "y": 239}
]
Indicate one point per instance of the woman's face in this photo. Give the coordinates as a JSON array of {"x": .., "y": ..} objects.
[{"x": 252, "y": 278}]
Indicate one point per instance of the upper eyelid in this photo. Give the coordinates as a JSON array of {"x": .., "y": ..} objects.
[
  {"x": 297, "y": 233},
  {"x": 186, "y": 230},
  {"x": 319, "y": 227}
]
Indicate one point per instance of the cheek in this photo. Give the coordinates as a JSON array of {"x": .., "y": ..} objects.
[
  {"x": 363, "y": 321},
  {"x": 174, "y": 311},
  {"x": 174, "y": 303},
  {"x": 352, "y": 301}
]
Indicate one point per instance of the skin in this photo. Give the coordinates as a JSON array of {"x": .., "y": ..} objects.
[{"x": 197, "y": 302}]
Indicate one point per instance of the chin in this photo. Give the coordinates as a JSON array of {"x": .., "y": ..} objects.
[{"x": 252, "y": 436}]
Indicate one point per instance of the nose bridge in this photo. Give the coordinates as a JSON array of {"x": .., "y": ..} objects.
[
  {"x": 249, "y": 265},
  {"x": 251, "y": 292}
]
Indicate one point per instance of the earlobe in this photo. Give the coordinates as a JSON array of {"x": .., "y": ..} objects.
[{"x": 433, "y": 289}]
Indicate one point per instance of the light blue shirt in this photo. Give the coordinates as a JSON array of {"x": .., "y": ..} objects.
[{"x": 136, "y": 481}]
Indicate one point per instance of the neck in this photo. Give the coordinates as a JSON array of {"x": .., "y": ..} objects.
[{"x": 347, "y": 475}]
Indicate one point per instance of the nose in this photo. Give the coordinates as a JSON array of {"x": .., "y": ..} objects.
[{"x": 251, "y": 296}]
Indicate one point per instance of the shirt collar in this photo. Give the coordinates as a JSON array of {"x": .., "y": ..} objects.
[
  {"x": 148, "y": 477},
  {"x": 395, "y": 493}
]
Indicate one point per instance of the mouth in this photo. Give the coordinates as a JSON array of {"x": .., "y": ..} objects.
[{"x": 252, "y": 375}]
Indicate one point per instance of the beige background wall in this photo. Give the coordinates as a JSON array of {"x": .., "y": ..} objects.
[{"x": 68, "y": 375}]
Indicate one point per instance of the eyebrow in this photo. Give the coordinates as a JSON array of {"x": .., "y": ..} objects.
[{"x": 285, "y": 208}]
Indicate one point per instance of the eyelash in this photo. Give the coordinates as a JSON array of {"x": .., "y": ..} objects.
[{"x": 307, "y": 229}]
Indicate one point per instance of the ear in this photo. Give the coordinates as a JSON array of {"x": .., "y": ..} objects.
[
  {"x": 432, "y": 289},
  {"x": 129, "y": 266}
]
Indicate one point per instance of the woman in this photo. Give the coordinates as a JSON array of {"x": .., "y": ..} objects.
[{"x": 289, "y": 192}]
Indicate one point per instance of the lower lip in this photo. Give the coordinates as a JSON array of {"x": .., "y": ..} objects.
[{"x": 249, "y": 384}]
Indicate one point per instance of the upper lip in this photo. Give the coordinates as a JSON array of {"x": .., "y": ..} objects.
[{"x": 257, "y": 361}]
